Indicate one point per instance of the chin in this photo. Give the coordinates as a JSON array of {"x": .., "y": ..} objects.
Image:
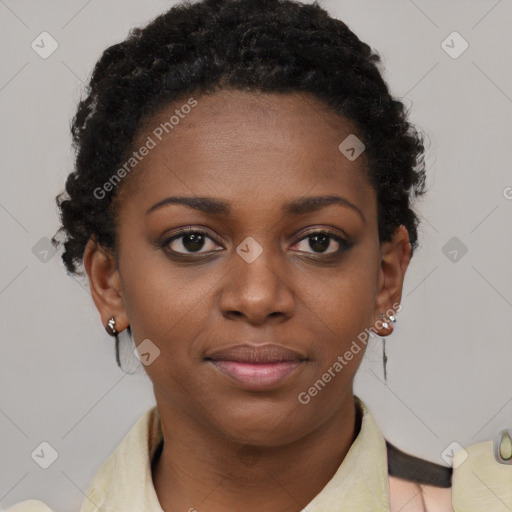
[{"x": 264, "y": 428}]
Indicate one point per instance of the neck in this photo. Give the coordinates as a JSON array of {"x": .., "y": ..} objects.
[{"x": 198, "y": 469}]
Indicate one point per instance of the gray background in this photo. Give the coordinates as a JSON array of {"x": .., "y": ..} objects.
[{"x": 449, "y": 369}]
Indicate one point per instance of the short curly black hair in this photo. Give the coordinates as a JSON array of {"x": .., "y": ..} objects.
[{"x": 280, "y": 46}]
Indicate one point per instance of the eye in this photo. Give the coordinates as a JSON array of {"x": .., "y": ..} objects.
[
  {"x": 188, "y": 242},
  {"x": 321, "y": 242},
  {"x": 195, "y": 241}
]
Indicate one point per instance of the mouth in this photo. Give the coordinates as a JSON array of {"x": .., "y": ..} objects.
[{"x": 257, "y": 367}]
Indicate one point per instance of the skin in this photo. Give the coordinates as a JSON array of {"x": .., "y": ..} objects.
[{"x": 226, "y": 445}]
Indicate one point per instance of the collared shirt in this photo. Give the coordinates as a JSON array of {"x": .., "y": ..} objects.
[{"x": 124, "y": 481}]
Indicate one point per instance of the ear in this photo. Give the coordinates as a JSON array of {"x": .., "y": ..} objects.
[
  {"x": 105, "y": 284},
  {"x": 395, "y": 258}
]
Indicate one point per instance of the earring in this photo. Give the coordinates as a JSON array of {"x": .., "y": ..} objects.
[
  {"x": 111, "y": 326},
  {"x": 112, "y": 331},
  {"x": 386, "y": 325},
  {"x": 384, "y": 360}
]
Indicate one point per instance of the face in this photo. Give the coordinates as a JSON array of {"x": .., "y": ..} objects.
[{"x": 254, "y": 292}]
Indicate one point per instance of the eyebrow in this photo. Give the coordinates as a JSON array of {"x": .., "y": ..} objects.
[{"x": 296, "y": 207}]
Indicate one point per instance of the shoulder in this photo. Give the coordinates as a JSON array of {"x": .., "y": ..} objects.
[
  {"x": 482, "y": 480},
  {"x": 29, "y": 506}
]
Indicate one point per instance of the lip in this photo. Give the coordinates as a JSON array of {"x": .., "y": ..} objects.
[{"x": 256, "y": 367}]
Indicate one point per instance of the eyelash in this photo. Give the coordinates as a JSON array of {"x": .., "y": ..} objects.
[{"x": 345, "y": 245}]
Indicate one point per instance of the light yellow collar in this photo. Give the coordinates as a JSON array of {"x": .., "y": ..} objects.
[{"x": 124, "y": 481}]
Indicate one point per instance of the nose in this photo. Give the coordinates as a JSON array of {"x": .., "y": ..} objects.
[{"x": 258, "y": 290}]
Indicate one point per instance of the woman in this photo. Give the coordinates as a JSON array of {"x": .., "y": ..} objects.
[{"x": 242, "y": 206}]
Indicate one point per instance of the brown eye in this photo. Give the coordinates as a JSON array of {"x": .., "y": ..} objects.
[
  {"x": 323, "y": 242},
  {"x": 189, "y": 242}
]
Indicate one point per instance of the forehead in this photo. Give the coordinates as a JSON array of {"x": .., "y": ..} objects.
[{"x": 235, "y": 144}]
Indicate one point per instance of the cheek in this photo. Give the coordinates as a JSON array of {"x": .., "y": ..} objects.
[
  {"x": 165, "y": 303},
  {"x": 344, "y": 299},
  {"x": 162, "y": 309},
  {"x": 169, "y": 311},
  {"x": 341, "y": 311}
]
